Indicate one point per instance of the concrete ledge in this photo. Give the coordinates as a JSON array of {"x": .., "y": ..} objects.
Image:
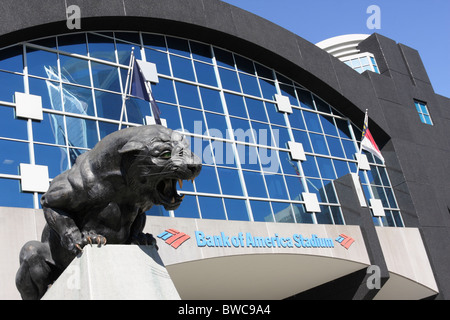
[{"x": 115, "y": 272}]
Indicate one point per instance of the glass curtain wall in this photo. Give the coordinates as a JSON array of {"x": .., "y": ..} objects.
[{"x": 222, "y": 101}]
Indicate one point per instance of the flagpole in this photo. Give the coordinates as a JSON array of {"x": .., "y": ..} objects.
[
  {"x": 360, "y": 146},
  {"x": 127, "y": 88}
]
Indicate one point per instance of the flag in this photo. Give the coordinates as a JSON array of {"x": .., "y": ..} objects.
[
  {"x": 367, "y": 141},
  {"x": 139, "y": 90},
  {"x": 138, "y": 87}
]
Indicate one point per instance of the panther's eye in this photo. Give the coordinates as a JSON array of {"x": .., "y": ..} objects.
[{"x": 166, "y": 155}]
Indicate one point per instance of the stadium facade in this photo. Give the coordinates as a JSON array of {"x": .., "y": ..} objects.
[{"x": 286, "y": 206}]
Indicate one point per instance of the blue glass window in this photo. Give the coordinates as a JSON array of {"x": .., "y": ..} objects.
[
  {"x": 328, "y": 125},
  {"x": 205, "y": 74},
  {"x": 137, "y": 110},
  {"x": 324, "y": 216},
  {"x": 289, "y": 166},
  {"x": 305, "y": 99},
  {"x": 261, "y": 211},
  {"x": 269, "y": 160},
  {"x": 224, "y": 58},
  {"x": 160, "y": 59},
  {"x": 124, "y": 52},
  {"x": 12, "y": 196},
  {"x": 242, "y": 130},
  {"x": 50, "y": 129},
  {"x": 256, "y": 110},
  {"x": 11, "y": 59},
  {"x": 244, "y": 64},
  {"x": 109, "y": 105},
  {"x": 81, "y": 133},
  {"x": 302, "y": 137},
  {"x": 281, "y": 136},
  {"x": 255, "y": 184},
  {"x": 341, "y": 168},
  {"x": 275, "y": 116},
  {"x": 301, "y": 215},
  {"x": 201, "y": 51},
  {"x": 106, "y": 128},
  {"x": 211, "y": 208},
  {"x": 236, "y": 209},
  {"x": 335, "y": 147},
  {"x": 164, "y": 91},
  {"x": 230, "y": 182},
  {"x": 349, "y": 148},
  {"x": 42, "y": 63},
  {"x": 49, "y": 91},
  {"x": 74, "y": 43},
  {"x": 249, "y": 85},
  {"x": 182, "y": 68},
  {"x": 248, "y": 156},
  {"x": 188, "y": 208},
  {"x": 424, "y": 114},
  {"x": 309, "y": 167},
  {"x": 187, "y": 95},
  {"x": 170, "y": 113},
  {"x": 74, "y": 70},
  {"x": 235, "y": 105},
  {"x": 263, "y": 134},
  {"x": 295, "y": 187},
  {"x": 101, "y": 47},
  {"x": 318, "y": 143},
  {"x": 13, "y": 154},
  {"x": 289, "y": 92},
  {"x": 312, "y": 121},
  {"x": 11, "y": 127},
  {"x": 283, "y": 212},
  {"x": 9, "y": 84},
  {"x": 211, "y": 100},
  {"x": 343, "y": 129},
  {"x": 154, "y": 41},
  {"x": 217, "y": 125},
  {"x": 55, "y": 158},
  {"x": 268, "y": 88},
  {"x": 276, "y": 186},
  {"x": 229, "y": 80},
  {"x": 193, "y": 120},
  {"x": 178, "y": 46},
  {"x": 105, "y": 77},
  {"x": 321, "y": 105},
  {"x": 207, "y": 181},
  {"x": 78, "y": 100}
]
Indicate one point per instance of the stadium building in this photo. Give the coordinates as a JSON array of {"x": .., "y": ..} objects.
[{"x": 286, "y": 205}]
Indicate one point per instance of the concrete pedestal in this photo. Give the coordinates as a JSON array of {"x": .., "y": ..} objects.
[{"x": 114, "y": 272}]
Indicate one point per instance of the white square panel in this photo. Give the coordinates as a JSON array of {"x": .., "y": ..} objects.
[
  {"x": 283, "y": 103},
  {"x": 377, "y": 207},
  {"x": 311, "y": 202},
  {"x": 297, "y": 151},
  {"x": 150, "y": 120},
  {"x": 148, "y": 70},
  {"x": 363, "y": 163},
  {"x": 34, "y": 178},
  {"x": 28, "y": 106}
]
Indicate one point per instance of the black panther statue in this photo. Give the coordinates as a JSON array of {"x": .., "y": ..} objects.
[{"x": 103, "y": 198}]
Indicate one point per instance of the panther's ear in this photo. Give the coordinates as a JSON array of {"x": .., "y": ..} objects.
[{"x": 132, "y": 146}]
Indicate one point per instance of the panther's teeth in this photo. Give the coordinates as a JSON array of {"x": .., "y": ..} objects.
[
  {"x": 173, "y": 200},
  {"x": 192, "y": 180},
  {"x": 182, "y": 197},
  {"x": 181, "y": 183}
]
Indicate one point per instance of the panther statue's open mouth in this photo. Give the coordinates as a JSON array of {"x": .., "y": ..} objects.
[{"x": 168, "y": 193}]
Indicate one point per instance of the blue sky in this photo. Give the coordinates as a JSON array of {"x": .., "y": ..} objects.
[{"x": 422, "y": 25}]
